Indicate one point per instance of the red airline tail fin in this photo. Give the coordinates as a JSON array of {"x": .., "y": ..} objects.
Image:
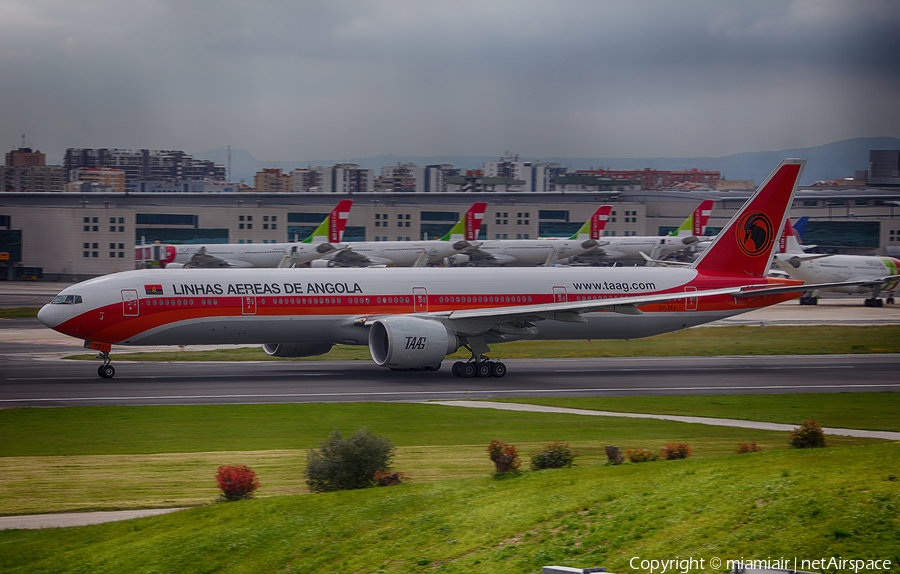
[
  {"x": 474, "y": 218},
  {"x": 337, "y": 220},
  {"x": 599, "y": 219},
  {"x": 746, "y": 244},
  {"x": 788, "y": 231},
  {"x": 701, "y": 217}
]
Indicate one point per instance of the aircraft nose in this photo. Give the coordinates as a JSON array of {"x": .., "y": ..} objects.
[{"x": 47, "y": 316}]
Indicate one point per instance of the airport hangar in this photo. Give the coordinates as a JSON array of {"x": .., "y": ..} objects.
[{"x": 75, "y": 236}]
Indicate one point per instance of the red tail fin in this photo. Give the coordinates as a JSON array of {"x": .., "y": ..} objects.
[
  {"x": 746, "y": 244},
  {"x": 474, "y": 217},
  {"x": 337, "y": 221},
  {"x": 788, "y": 231},
  {"x": 599, "y": 219},
  {"x": 701, "y": 217}
]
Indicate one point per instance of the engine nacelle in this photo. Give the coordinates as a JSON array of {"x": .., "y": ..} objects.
[
  {"x": 410, "y": 342},
  {"x": 296, "y": 350},
  {"x": 321, "y": 264}
]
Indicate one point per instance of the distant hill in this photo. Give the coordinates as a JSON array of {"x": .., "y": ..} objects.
[{"x": 829, "y": 161}]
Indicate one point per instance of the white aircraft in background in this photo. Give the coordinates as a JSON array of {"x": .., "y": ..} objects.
[
  {"x": 409, "y": 253},
  {"x": 656, "y": 247},
  {"x": 854, "y": 273},
  {"x": 495, "y": 252},
  {"x": 325, "y": 239},
  {"x": 411, "y": 318}
]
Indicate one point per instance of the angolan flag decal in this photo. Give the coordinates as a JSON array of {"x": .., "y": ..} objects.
[{"x": 153, "y": 289}]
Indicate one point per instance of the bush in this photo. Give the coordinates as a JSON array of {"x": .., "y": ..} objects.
[
  {"x": 383, "y": 478},
  {"x": 808, "y": 435},
  {"x": 745, "y": 448},
  {"x": 675, "y": 451},
  {"x": 505, "y": 457},
  {"x": 236, "y": 482},
  {"x": 347, "y": 464},
  {"x": 640, "y": 455},
  {"x": 555, "y": 455}
]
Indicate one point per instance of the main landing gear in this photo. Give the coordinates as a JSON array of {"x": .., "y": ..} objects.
[
  {"x": 106, "y": 370},
  {"x": 478, "y": 366}
]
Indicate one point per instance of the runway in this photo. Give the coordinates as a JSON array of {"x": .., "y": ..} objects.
[{"x": 34, "y": 374}]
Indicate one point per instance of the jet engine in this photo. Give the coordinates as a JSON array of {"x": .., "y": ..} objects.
[
  {"x": 690, "y": 240},
  {"x": 296, "y": 350},
  {"x": 410, "y": 343}
]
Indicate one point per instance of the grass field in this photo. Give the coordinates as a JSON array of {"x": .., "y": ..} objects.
[
  {"x": 700, "y": 341},
  {"x": 105, "y": 458},
  {"x": 833, "y": 502}
]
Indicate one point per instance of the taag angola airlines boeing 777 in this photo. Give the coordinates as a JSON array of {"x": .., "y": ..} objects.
[
  {"x": 411, "y": 318},
  {"x": 324, "y": 240}
]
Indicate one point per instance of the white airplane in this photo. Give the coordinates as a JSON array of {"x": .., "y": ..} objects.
[
  {"x": 324, "y": 240},
  {"x": 411, "y": 318},
  {"x": 856, "y": 273},
  {"x": 494, "y": 252},
  {"x": 656, "y": 247},
  {"x": 409, "y": 253}
]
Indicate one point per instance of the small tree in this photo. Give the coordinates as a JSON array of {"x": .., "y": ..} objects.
[
  {"x": 808, "y": 435},
  {"x": 236, "y": 482},
  {"x": 555, "y": 455},
  {"x": 347, "y": 464},
  {"x": 505, "y": 457}
]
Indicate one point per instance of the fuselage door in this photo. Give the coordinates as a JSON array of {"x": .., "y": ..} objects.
[
  {"x": 559, "y": 295},
  {"x": 690, "y": 304},
  {"x": 420, "y": 300},
  {"x": 248, "y": 305},
  {"x": 130, "y": 306}
]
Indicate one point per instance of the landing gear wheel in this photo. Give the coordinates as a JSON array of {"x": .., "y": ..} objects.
[
  {"x": 455, "y": 368},
  {"x": 484, "y": 369},
  {"x": 889, "y": 301},
  {"x": 106, "y": 371},
  {"x": 808, "y": 300},
  {"x": 498, "y": 369},
  {"x": 467, "y": 370}
]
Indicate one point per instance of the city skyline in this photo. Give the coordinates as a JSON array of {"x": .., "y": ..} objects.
[{"x": 348, "y": 79}]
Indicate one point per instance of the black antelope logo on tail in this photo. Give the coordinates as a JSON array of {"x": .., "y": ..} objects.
[{"x": 755, "y": 233}]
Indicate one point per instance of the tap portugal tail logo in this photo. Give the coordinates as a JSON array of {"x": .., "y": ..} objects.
[{"x": 755, "y": 233}]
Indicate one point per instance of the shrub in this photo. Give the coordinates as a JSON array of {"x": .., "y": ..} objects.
[
  {"x": 236, "y": 482},
  {"x": 808, "y": 435},
  {"x": 745, "y": 448},
  {"x": 555, "y": 455},
  {"x": 640, "y": 455},
  {"x": 347, "y": 464},
  {"x": 505, "y": 457},
  {"x": 383, "y": 478},
  {"x": 675, "y": 451}
]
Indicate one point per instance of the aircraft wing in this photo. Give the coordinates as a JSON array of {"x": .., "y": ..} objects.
[
  {"x": 202, "y": 260},
  {"x": 806, "y": 288},
  {"x": 349, "y": 258},
  {"x": 572, "y": 310}
]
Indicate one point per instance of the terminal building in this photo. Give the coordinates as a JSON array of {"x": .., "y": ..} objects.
[{"x": 93, "y": 231}]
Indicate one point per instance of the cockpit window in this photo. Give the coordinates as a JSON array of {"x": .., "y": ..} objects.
[{"x": 67, "y": 299}]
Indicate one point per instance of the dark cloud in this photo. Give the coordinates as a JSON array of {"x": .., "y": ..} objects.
[{"x": 341, "y": 79}]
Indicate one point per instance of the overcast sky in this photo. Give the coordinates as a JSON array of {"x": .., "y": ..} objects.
[{"x": 339, "y": 79}]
